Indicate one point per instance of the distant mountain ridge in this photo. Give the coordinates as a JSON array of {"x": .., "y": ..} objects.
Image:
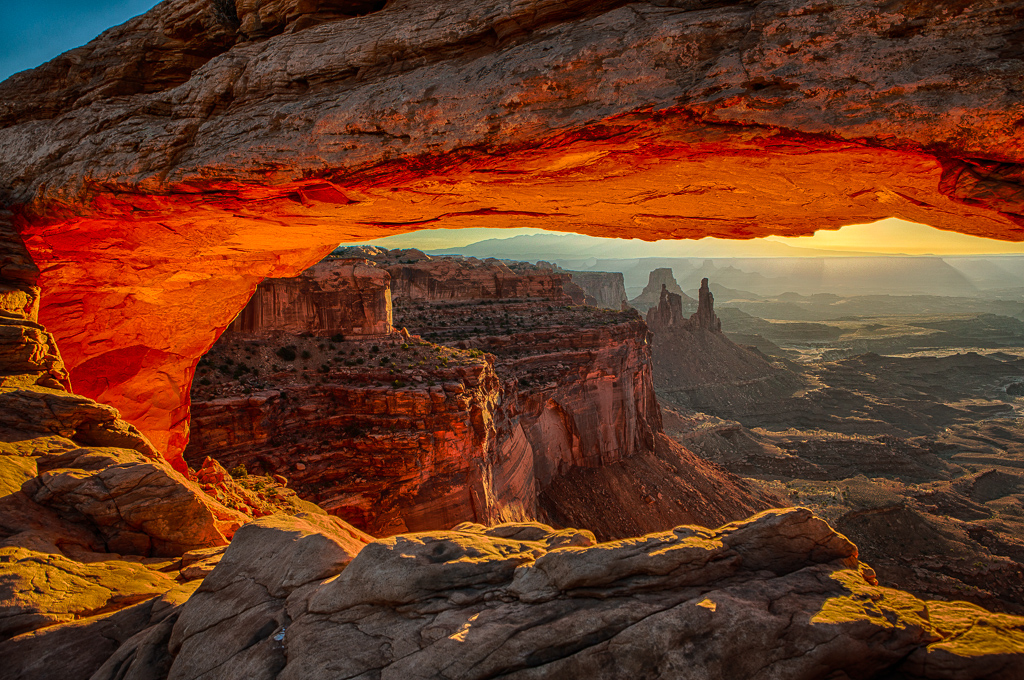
[
  {"x": 777, "y": 268},
  {"x": 575, "y": 246}
]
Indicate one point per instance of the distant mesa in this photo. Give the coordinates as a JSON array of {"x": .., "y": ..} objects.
[{"x": 651, "y": 295}]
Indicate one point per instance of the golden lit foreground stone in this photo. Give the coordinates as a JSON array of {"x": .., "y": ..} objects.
[{"x": 779, "y": 595}]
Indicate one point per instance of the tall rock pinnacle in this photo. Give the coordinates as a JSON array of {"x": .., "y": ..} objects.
[
  {"x": 668, "y": 314},
  {"x": 705, "y": 316}
]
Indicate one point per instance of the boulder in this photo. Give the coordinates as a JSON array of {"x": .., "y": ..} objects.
[
  {"x": 234, "y": 623},
  {"x": 90, "y": 642},
  {"x": 138, "y": 505},
  {"x": 39, "y": 589}
]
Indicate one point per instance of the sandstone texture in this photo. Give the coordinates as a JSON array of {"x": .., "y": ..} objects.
[
  {"x": 585, "y": 400},
  {"x": 161, "y": 171},
  {"x": 778, "y": 595},
  {"x": 310, "y": 596},
  {"x": 330, "y": 298},
  {"x": 497, "y": 424},
  {"x": 603, "y": 289},
  {"x": 391, "y": 435},
  {"x": 100, "y": 537}
]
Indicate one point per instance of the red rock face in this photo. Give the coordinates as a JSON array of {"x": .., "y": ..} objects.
[
  {"x": 559, "y": 422},
  {"x": 386, "y": 458},
  {"x": 586, "y": 393},
  {"x": 159, "y": 173},
  {"x": 350, "y": 298},
  {"x": 603, "y": 289}
]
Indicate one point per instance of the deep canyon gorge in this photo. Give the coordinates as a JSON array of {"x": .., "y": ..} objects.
[{"x": 230, "y": 448}]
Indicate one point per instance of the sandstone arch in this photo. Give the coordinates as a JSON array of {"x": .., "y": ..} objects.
[{"x": 154, "y": 199}]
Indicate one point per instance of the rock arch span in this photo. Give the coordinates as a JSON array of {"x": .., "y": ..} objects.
[{"x": 154, "y": 200}]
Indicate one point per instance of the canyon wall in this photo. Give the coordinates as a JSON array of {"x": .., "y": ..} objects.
[
  {"x": 160, "y": 172},
  {"x": 584, "y": 395},
  {"x": 416, "y": 276},
  {"x": 585, "y": 387},
  {"x": 491, "y": 424},
  {"x": 411, "y": 438},
  {"x": 604, "y": 289},
  {"x": 336, "y": 298}
]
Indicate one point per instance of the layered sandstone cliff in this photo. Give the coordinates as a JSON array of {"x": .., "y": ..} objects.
[
  {"x": 584, "y": 396},
  {"x": 418, "y": 277},
  {"x": 496, "y": 422},
  {"x": 604, "y": 289},
  {"x": 398, "y": 435},
  {"x": 336, "y": 298}
]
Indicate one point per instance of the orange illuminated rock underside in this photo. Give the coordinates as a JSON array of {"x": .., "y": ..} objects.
[{"x": 134, "y": 315}]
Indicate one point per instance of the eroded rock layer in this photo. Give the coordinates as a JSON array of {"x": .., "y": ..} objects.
[
  {"x": 779, "y": 595},
  {"x": 397, "y": 433},
  {"x": 337, "y": 298},
  {"x": 391, "y": 434},
  {"x": 182, "y": 157},
  {"x": 308, "y": 595}
]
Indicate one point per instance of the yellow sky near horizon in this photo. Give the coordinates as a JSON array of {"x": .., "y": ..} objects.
[
  {"x": 890, "y": 236},
  {"x": 896, "y": 236}
]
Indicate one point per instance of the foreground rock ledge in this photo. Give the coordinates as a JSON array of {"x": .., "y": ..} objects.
[{"x": 780, "y": 595}]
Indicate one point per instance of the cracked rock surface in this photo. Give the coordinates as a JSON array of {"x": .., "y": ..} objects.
[{"x": 780, "y": 595}]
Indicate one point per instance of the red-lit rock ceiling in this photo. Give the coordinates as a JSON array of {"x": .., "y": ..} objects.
[{"x": 158, "y": 173}]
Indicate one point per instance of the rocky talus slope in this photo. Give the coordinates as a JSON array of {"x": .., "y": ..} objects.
[
  {"x": 697, "y": 367},
  {"x": 161, "y": 171}
]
